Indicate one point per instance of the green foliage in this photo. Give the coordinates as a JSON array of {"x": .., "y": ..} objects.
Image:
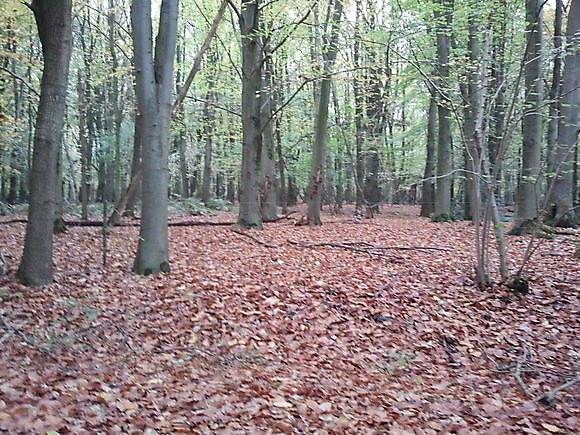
[
  {"x": 444, "y": 218},
  {"x": 219, "y": 204}
]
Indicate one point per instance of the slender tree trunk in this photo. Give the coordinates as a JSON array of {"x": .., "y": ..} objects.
[
  {"x": 208, "y": 127},
  {"x": 282, "y": 192},
  {"x": 497, "y": 88},
  {"x": 180, "y": 118},
  {"x": 318, "y": 148},
  {"x": 532, "y": 123},
  {"x": 53, "y": 19},
  {"x": 249, "y": 215},
  {"x": 154, "y": 79},
  {"x": 561, "y": 200},
  {"x": 114, "y": 95},
  {"x": 443, "y": 189},
  {"x": 375, "y": 124},
  {"x": 474, "y": 98},
  {"x": 85, "y": 148},
  {"x": 268, "y": 186},
  {"x": 552, "y": 134},
  {"x": 428, "y": 197},
  {"x": 358, "y": 112}
]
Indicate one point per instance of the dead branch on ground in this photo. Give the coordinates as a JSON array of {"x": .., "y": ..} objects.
[
  {"x": 518, "y": 372},
  {"x": 254, "y": 238},
  {"x": 549, "y": 397},
  {"x": 13, "y": 330},
  {"x": 364, "y": 247}
]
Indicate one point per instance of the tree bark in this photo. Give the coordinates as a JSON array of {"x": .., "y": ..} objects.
[
  {"x": 318, "y": 148},
  {"x": 249, "y": 214},
  {"x": 552, "y": 134},
  {"x": 532, "y": 124},
  {"x": 268, "y": 185},
  {"x": 561, "y": 194},
  {"x": 53, "y": 19},
  {"x": 443, "y": 189},
  {"x": 428, "y": 196},
  {"x": 154, "y": 79}
]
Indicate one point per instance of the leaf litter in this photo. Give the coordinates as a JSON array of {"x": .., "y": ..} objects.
[{"x": 249, "y": 337}]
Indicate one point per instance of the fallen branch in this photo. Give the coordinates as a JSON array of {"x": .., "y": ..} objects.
[
  {"x": 347, "y": 247},
  {"x": 549, "y": 397},
  {"x": 254, "y": 238},
  {"x": 518, "y": 372},
  {"x": 286, "y": 216},
  {"x": 15, "y": 330},
  {"x": 368, "y": 248},
  {"x": 397, "y": 248}
]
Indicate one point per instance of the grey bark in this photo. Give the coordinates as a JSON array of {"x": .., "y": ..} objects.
[
  {"x": 554, "y": 95},
  {"x": 268, "y": 186},
  {"x": 180, "y": 120},
  {"x": 358, "y": 112},
  {"x": 53, "y": 19},
  {"x": 154, "y": 80},
  {"x": 444, "y": 16},
  {"x": 561, "y": 193},
  {"x": 374, "y": 124},
  {"x": 532, "y": 125},
  {"x": 318, "y": 148},
  {"x": 249, "y": 214},
  {"x": 208, "y": 127},
  {"x": 428, "y": 194}
]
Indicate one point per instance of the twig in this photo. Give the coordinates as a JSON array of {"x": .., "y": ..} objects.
[
  {"x": 518, "y": 372},
  {"x": 254, "y": 238},
  {"x": 549, "y": 397},
  {"x": 487, "y": 357},
  {"x": 15, "y": 330}
]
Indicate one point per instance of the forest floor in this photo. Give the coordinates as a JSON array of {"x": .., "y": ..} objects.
[{"x": 248, "y": 338}]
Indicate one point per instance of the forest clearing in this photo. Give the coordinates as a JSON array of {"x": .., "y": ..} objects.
[{"x": 251, "y": 335}]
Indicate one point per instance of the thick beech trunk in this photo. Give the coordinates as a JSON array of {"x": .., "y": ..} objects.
[
  {"x": 443, "y": 189},
  {"x": 561, "y": 198},
  {"x": 532, "y": 123},
  {"x": 249, "y": 215},
  {"x": 154, "y": 79},
  {"x": 53, "y": 19}
]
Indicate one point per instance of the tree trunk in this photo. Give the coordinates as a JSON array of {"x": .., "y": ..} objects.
[
  {"x": 552, "y": 134},
  {"x": 532, "y": 124},
  {"x": 53, "y": 19},
  {"x": 318, "y": 148},
  {"x": 428, "y": 198},
  {"x": 180, "y": 120},
  {"x": 375, "y": 124},
  {"x": 268, "y": 192},
  {"x": 208, "y": 127},
  {"x": 561, "y": 194},
  {"x": 154, "y": 78},
  {"x": 358, "y": 112},
  {"x": 443, "y": 189},
  {"x": 249, "y": 215},
  {"x": 85, "y": 148},
  {"x": 114, "y": 91}
]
